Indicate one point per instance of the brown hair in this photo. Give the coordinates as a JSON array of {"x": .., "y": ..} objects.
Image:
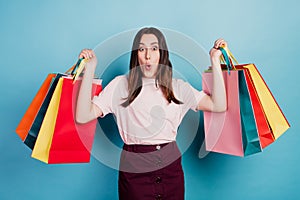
[{"x": 163, "y": 78}]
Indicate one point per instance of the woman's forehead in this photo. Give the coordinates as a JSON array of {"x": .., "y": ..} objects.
[{"x": 148, "y": 39}]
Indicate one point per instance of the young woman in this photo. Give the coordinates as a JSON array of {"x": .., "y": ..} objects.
[{"x": 149, "y": 105}]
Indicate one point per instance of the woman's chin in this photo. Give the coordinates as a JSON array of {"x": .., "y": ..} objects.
[{"x": 148, "y": 74}]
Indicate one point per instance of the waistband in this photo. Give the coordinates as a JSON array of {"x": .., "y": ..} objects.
[{"x": 145, "y": 148}]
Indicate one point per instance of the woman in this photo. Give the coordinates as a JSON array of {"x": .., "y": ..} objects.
[{"x": 149, "y": 105}]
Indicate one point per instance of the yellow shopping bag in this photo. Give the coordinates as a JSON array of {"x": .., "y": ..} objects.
[{"x": 43, "y": 142}]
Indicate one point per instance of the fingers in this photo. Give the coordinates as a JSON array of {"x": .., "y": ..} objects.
[
  {"x": 220, "y": 43},
  {"x": 87, "y": 54}
]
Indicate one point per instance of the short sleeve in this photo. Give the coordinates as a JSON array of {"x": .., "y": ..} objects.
[
  {"x": 110, "y": 97},
  {"x": 188, "y": 94}
]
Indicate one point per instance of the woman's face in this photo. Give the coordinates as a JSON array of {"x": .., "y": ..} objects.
[{"x": 148, "y": 55}]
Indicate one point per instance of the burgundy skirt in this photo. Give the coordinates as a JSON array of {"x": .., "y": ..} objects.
[{"x": 151, "y": 172}]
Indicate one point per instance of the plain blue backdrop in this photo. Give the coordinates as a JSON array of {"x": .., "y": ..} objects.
[{"x": 39, "y": 37}]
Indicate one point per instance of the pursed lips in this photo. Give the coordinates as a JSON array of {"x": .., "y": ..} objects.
[{"x": 148, "y": 66}]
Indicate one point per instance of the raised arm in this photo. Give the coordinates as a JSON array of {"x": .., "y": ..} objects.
[
  {"x": 85, "y": 109},
  {"x": 217, "y": 101}
]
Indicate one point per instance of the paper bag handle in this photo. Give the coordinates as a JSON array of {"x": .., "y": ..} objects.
[
  {"x": 228, "y": 58},
  {"x": 78, "y": 68}
]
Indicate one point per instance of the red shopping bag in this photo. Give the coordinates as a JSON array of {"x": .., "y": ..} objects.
[{"x": 72, "y": 142}]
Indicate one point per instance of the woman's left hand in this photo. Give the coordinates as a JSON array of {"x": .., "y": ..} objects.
[{"x": 215, "y": 53}]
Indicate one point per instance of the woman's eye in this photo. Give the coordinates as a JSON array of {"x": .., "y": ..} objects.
[
  {"x": 141, "y": 49},
  {"x": 154, "y": 48}
]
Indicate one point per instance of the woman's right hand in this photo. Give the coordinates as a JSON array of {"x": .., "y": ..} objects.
[
  {"x": 90, "y": 56},
  {"x": 215, "y": 52}
]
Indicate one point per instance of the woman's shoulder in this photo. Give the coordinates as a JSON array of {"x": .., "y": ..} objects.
[
  {"x": 177, "y": 82},
  {"x": 120, "y": 77},
  {"x": 119, "y": 82}
]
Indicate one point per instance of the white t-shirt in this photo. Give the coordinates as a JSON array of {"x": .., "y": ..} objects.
[{"x": 149, "y": 119}]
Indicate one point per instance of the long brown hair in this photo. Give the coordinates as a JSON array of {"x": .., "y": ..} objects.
[{"x": 163, "y": 78}]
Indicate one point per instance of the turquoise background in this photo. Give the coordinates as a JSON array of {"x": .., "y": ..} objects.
[{"x": 38, "y": 37}]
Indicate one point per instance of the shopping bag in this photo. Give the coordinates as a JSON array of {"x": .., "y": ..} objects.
[
  {"x": 274, "y": 115},
  {"x": 72, "y": 142},
  {"x": 61, "y": 139},
  {"x": 31, "y": 112},
  {"x": 251, "y": 142},
  {"x": 223, "y": 131},
  {"x": 37, "y": 122},
  {"x": 44, "y": 139},
  {"x": 234, "y": 131}
]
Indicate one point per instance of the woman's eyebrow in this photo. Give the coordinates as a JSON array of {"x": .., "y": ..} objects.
[{"x": 150, "y": 43}]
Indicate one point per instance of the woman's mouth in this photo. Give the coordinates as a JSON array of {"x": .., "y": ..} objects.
[{"x": 148, "y": 67}]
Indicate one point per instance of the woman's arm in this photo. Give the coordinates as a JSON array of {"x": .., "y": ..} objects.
[
  {"x": 85, "y": 109},
  {"x": 216, "y": 102}
]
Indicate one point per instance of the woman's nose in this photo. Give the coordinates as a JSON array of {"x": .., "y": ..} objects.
[{"x": 147, "y": 54}]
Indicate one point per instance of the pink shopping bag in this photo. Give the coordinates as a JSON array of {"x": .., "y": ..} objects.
[{"x": 223, "y": 130}]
